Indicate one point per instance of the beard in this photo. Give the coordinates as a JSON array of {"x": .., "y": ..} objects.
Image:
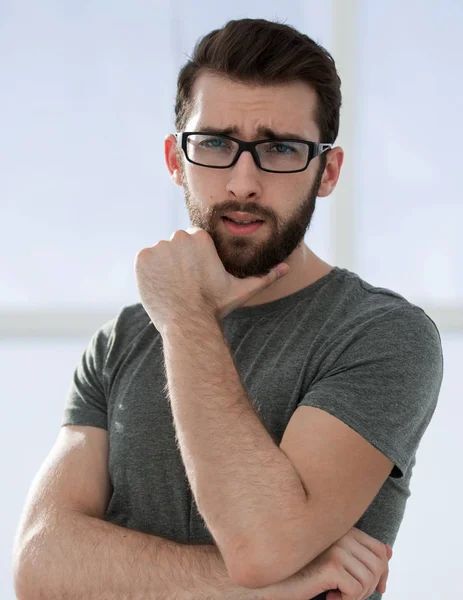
[{"x": 250, "y": 256}]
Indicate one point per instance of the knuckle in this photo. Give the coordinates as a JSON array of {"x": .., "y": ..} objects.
[
  {"x": 203, "y": 235},
  {"x": 368, "y": 585},
  {"x": 178, "y": 233},
  {"x": 337, "y": 556},
  {"x": 139, "y": 256},
  {"x": 357, "y": 589},
  {"x": 201, "y": 232},
  {"x": 355, "y": 532},
  {"x": 379, "y": 567},
  {"x": 382, "y": 550}
]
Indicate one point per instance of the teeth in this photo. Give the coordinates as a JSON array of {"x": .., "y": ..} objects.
[{"x": 242, "y": 222}]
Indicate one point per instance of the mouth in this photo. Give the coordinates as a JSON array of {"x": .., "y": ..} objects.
[{"x": 238, "y": 228}]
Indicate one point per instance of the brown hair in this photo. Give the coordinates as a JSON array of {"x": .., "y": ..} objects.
[{"x": 261, "y": 52}]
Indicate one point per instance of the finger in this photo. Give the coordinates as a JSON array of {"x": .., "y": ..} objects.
[
  {"x": 281, "y": 269},
  {"x": 375, "y": 562},
  {"x": 198, "y": 231},
  {"x": 376, "y": 546},
  {"x": 381, "y": 587},
  {"x": 365, "y": 566},
  {"x": 356, "y": 565},
  {"x": 256, "y": 284}
]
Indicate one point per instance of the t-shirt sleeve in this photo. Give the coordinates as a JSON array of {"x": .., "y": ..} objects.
[
  {"x": 86, "y": 400},
  {"x": 383, "y": 381}
]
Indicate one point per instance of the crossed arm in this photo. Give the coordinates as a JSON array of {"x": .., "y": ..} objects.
[
  {"x": 270, "y": 509},
  {"x": 262, "y": 503},
  {"x": 65, "y": 550}
]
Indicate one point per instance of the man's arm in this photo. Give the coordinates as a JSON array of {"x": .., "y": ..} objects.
[
  {"x": 271, "y": 509},
  {"x": 245, "y": 487},
  {"x": 64, "y": 550},
  {"x": 70, "y": 555}
]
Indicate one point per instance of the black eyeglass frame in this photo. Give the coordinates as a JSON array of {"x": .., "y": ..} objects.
[{"x": 315, "y": 149}]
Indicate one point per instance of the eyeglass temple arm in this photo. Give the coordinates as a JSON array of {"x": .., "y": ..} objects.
[{"x": 323, "y": 147}]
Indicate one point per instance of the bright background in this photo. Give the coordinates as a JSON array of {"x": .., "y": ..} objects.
[{"x": 87, "y": 94}]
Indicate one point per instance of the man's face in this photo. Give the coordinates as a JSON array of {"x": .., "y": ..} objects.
[{"x": 285, "y": 201}]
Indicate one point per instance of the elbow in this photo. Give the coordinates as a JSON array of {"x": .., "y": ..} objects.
[
  {"x": 248, "y": 575},
  {"x": 25, "y": 570},
  {"x": 255, "y": 569},
  {"x": 28, "y": 585},
  {"x": 22, "y": 584},
  {"x": 21, "y": 591},
  {"x": 267, "y": 559}
]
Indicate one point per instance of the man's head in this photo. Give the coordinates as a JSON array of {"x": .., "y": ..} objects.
[{"x": 249, "y": 77}]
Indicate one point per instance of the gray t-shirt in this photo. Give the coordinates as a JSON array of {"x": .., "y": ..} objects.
[{"x": 362, "y": 353}]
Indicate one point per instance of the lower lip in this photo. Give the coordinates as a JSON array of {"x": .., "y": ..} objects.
[{"x": 241, "y": 229}]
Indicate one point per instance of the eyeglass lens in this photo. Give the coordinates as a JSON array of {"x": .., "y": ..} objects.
[{"x": 216, "y": 151}]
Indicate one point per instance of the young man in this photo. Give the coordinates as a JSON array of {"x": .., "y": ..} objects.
[{"x": 258, "y": 403}]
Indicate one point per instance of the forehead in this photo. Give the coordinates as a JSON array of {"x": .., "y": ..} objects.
[{"x": 219, "y": 102}]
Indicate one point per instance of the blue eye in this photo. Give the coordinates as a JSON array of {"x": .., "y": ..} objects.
[
  {"x": 286, "y": 149},
  {"x": 213, "y": 143}
]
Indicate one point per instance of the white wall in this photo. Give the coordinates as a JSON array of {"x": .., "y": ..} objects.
[{"x": 86, "y": 99}]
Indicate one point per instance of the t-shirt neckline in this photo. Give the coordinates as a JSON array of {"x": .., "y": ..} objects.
[{"x": 284, "y": 302}]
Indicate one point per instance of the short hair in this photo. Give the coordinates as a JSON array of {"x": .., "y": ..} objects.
[{"x": 261, "y": 52}]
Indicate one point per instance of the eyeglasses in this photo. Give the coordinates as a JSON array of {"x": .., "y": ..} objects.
[{"x": 272, "y": 155}]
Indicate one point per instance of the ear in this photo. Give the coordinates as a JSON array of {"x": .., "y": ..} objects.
[
  {"x": 332, "y": 170},
  {"x": 171, "y": 158}
]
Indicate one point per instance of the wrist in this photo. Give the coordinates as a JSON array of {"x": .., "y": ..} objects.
[{"x": 180, "y": 324}]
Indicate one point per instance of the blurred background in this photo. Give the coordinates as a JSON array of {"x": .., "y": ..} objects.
[{"x": 86, "y": 98}]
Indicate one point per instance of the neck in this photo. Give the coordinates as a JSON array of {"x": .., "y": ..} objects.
[{"x": 306, "y": 268}]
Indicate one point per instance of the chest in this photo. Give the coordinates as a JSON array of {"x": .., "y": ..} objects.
[{"x": 150, "y": 485}]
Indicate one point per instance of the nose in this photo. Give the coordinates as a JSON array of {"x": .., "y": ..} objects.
[{"x": 244, "y": 182}]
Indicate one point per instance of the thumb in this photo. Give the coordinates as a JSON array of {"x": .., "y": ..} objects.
[
  {"x": 259, "y": 283},
  {"x": 252, "y": 285},
  {"x": 282, "y": 269}
]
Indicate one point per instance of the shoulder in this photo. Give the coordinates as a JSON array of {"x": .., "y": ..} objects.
[
  {"x": 116, "y": 336},
  {"x": 364, "y": 304},
  {"x": 365, "y": 324}
]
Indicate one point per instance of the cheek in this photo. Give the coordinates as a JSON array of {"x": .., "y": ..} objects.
[
  {"x": 285, "y": 194},
  {"x": 206, "y": 185}
]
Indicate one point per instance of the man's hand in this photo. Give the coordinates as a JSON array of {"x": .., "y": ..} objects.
[
  {"x": 351, "y": 569},
  {"x": 185, "y": 276}
]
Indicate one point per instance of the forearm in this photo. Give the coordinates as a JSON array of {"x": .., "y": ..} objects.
[
  {"x": 244, "y": 485},
  {"x": 78, "y": 557}
]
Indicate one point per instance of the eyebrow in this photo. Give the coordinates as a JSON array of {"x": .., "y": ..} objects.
[{"x": 260, "y": 132}]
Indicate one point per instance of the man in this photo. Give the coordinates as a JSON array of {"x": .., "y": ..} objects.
[{"x": 258, "y": 402}]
